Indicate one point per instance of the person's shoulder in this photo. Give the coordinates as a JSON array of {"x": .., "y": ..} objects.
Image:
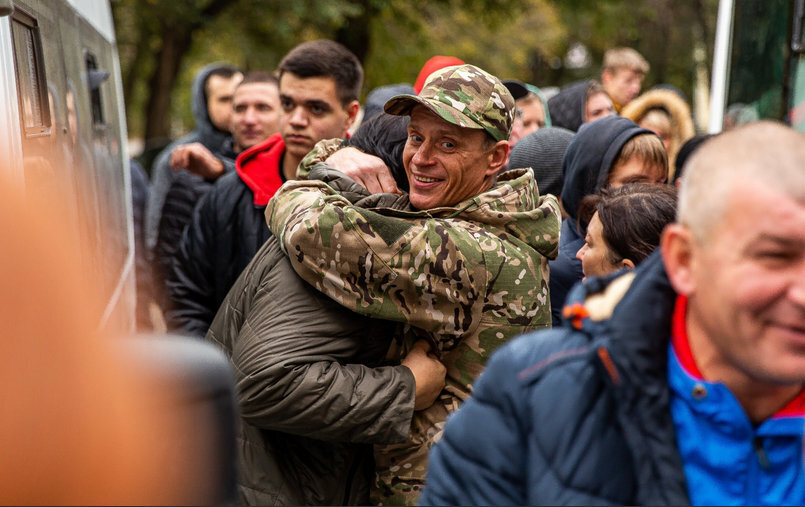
[{"x": 533, "y": 356}]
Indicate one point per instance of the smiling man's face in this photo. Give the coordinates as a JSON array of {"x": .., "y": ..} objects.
[
  {"x": 748, "y": 291},
  {"x": 445, "y": 163}
]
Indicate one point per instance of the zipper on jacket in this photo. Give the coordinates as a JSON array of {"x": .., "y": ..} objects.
[
  {"x": 756, "y": 468},
  {"x": 762, "y": 459}
]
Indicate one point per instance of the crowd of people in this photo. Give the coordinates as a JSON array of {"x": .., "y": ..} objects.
[{"x": 487, "y": 292}]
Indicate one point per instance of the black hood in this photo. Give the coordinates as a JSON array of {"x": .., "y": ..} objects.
[
  {"x": 589, "y": 157},
  {"x": 567, "y": 107}
]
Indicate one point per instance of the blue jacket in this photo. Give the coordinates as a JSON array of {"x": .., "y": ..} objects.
[
  {"x": 572, "y": 416},
  {"x": 757, "y": 464},
  {"x": 589, "y": 414}
]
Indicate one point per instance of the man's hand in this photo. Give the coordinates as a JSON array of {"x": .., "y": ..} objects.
[
  {"x": 197, "y": 159},
  {"x": 428, "y": 372},
  {"x": 366, "y": 170}
]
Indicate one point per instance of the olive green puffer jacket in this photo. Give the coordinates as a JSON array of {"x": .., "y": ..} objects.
[{"x": 311, "y": 388}]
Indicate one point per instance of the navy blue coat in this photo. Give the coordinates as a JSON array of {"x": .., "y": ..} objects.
[{"x": 571, "y": 416}]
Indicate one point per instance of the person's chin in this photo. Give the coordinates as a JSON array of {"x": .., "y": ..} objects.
[{"x": 298, "y": 144}]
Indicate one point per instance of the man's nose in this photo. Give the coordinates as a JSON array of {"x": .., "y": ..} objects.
[
  {"x": 250, "y": 116},
  {"x": 796, "y": 291},
  {"x": 298, "y": 117},
  {"x": 422, "y": 155}
]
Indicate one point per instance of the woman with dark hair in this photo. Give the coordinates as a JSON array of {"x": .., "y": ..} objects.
[{"x": 625, "y": 226}]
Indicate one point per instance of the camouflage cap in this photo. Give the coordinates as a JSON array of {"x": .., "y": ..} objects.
[{"x": 463, "y": 95}]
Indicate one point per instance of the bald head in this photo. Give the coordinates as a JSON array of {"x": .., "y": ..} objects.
[{"x": 765, "y": 154}]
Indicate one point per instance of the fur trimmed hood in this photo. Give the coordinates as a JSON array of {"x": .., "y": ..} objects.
[{"x": 682, "y": 127}]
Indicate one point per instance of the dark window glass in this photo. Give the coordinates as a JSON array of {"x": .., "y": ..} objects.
[
  {"x": 31, "y": 80},
  {"x": 95, "y": 78}
]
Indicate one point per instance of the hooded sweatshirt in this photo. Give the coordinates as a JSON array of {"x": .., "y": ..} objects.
[
  {"x": 175, "y": 194},
  {"x": 586, "y": 165},
  {"x": 569, "y": 105}
]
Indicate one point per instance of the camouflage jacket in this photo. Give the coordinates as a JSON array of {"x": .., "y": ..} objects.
[{"x": 469, "y": 277}]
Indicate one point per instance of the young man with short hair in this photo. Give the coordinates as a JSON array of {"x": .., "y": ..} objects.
[
  {"x": 254, "y": 116},
  {"x": 319, "y": 82},
  {"x": 622, "y": 75}
]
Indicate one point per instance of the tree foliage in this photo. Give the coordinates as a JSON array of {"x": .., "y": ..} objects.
[{"x": 162, "y": 44}]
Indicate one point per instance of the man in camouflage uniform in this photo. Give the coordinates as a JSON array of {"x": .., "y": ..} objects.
[{"x": 468, "y": 271}]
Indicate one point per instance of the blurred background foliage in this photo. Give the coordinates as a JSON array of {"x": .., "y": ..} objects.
[{"x": 162, "y": 44}]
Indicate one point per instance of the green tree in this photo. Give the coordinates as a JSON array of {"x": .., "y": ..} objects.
[{"x": 162, "y": 44}]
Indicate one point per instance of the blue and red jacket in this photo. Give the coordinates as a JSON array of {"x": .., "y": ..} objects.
[
  {"x": 728, "y": 460},
  {"x": 591, "y": 414}
]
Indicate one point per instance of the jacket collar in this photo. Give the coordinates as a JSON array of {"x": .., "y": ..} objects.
[
  {"x": 631, "y": 337},
  {"x": 260, "y": 168}
]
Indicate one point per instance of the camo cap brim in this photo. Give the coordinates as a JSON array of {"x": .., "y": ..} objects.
[{"x": 462, "y": 95}]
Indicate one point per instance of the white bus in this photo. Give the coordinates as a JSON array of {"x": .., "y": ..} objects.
[{"x": 63, "y": 132}]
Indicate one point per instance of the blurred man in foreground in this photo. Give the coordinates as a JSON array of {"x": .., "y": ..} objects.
[{"x": 679, "y": 383}]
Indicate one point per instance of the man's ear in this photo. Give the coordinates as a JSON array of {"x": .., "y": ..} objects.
[
  {"x": 678, "y": 251},
  {"x": 606, "y": 77},
  {"x": 627, "y": 263},
  {"x": 498, "y": 157},
  {"x": 352, "y": 113}
]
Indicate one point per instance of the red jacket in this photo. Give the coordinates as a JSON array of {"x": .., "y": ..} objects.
[{"x": 260, "y": 167}]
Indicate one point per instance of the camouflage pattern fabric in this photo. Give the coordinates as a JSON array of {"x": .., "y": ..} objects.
[
  {"x": 463, "y": 95},
  {"x": 320, "y": 152},
  {"x": 468, "y": 277}
]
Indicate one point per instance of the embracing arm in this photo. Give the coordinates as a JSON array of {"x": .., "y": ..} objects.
[
  {"x": 429, "y": 273},
  {"x": 297, "y": 372}
]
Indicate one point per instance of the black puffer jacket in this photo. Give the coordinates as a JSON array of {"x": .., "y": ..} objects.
[
  {"x": 311, "y": 389},
  {"x": 185, "y": 191},
  {"x": 225, "y": 232}
]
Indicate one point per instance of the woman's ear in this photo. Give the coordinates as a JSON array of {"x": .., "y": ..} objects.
[{"x": 627, "y": 264}]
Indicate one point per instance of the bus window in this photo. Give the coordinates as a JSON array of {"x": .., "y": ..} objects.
[
  {"x": 31, "y": 81},
  {"x": 95, "y": 78},
  {"x": 759, "y": 55}
]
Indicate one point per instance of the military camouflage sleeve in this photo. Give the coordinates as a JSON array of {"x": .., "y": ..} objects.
[
  {"x": 428, "y": 272},
  {"x": 320, "y": 152}
]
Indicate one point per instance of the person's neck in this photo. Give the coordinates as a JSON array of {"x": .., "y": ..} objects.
[
  {"x": 759, "y": 399},
  {"x": 289, "y": 165}
]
